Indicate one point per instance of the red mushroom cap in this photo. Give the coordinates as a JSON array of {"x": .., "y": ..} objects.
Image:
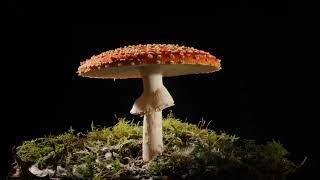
[{"x": 125, "y": 62}]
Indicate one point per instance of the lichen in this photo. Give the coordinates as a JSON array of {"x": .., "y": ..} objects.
[{"x": 189, "y": 151}]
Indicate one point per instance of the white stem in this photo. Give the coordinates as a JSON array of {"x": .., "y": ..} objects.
[
  {"x": 152, "y": 135},
  {"x": 152, "y": 79},
  {"x": 152, "y": 122},
  {"x": 154, "y": 99}
]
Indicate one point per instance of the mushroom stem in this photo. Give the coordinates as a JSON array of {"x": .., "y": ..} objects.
[
  {"x": 152, "y": 135},
  {"x": 154, "y": 99},
  {"x": 152, "y": 142}
]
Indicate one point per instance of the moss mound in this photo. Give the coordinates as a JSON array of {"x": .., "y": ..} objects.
[{"x": 190, "y": 151}]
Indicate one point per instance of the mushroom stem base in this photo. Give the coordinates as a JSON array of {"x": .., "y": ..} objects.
[{"x": 152, "y": 135}]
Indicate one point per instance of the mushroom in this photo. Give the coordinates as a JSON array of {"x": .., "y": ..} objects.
[{"x": 151, "y": 63}]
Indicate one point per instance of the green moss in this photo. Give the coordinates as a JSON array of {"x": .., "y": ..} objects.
[
  {"x": 30, "y": 151},
  {"x": 126, "y": 130},
  {"x": 116, "y": 165},
  {"x": 102, "y": 134},
  {"x": 189, "y": 151}
]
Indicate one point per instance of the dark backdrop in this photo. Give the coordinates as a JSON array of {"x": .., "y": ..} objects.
[{"x": 263, "y": 91}]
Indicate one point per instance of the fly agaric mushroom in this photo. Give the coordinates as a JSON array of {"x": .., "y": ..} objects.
[{"x": 151, "y": 63}]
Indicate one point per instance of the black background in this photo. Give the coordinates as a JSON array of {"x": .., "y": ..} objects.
[{"x": 264, "y": 91}]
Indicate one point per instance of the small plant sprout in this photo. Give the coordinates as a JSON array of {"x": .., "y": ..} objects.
[{"x": 151, "y": 63}]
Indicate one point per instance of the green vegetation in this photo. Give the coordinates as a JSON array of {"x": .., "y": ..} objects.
[{"x": 189, "y": 151}]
